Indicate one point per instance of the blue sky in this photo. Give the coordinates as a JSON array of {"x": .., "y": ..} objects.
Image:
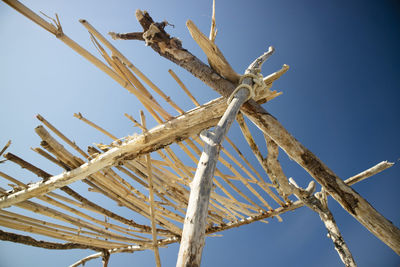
[{"x": 340, "y": 100}]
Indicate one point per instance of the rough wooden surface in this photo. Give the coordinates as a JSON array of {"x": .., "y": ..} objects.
[
  {"x": 349, "y": 199},
  {"x": 193, "y": 234},
  {"x": 318, "y": 203}
]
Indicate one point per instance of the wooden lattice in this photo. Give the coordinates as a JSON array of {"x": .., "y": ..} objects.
[{"x": 145, "y": 173}]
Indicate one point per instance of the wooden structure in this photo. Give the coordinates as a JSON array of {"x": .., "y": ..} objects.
[{"x": 162, "y": 189}]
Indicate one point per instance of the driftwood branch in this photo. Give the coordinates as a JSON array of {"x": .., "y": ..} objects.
[
  {"x": 318, "y": 203},
  {"x": 194, "y": 229},
  {"x": 350, "y": 200}
]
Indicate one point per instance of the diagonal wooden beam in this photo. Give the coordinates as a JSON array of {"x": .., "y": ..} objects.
[{"x": 350, "y": 200}]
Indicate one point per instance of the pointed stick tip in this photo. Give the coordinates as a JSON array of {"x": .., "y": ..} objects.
[{"x": 139, "y": 14}]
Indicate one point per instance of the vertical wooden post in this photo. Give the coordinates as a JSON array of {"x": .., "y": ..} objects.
[{"x": 193, "y": 235}]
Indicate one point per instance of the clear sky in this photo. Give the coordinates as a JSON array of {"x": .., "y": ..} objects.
[{"x": 341, "y": 100}]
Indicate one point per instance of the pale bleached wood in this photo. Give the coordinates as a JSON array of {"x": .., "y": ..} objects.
[
  {"x": 141, "y": 92},
  {"x": 242, "y": 179},
  {"x": 350, "y": 200},
  {"x": 5, "y": 147},
  {"x": 194, "y": 229},
  {"x": 368, "y": 173},
  {"x": 191, "y": 144},
  {"x": 214, "y": 55},
  {"x": 265, "y": 164},
  {"x": 128, "y": 63},
  {"x": 213, "y": 30},
  {"x": 151, "y": 198},
  {"x": 193, "y": 234},
  {"x": 183, "y": 86},
  {"x": 61, "y": 135},
  {"x": 107, "y": 188},
  {"x": 318, "y": 203},
  {"x": 46, "y": 136},
  {"x": 69, "y": 191},
  {"x": 275, "y": 167},
  {"x": 158, "y": 137},
  {"x": 215, "y": 181},
  {"x": 127, "y": 194}
]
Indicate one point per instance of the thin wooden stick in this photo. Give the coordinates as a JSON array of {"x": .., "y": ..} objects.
[
  {"x": 61, "y": 135},
  {"x": 5, "y": 147},
  {"x": 213, "y": 30},
  {"x": 183, "y": 86},
  {"x": 151, "y": 197},
  {"x": 93, "y": 31},
  {"x": 368, "y": 173},
  {"x": 319, "y": 204},
  {"x": 249, "y": 138},
  {"x": 80, "y": 116}
]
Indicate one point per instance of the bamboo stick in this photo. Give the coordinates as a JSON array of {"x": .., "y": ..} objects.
[
  {"x": 181, "y": 127},
  {"x": 50, "y": 157},
  {"x": 213, "y": 30}
]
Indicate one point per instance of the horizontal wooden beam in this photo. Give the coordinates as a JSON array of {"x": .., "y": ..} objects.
[{"x": 186, "y": 125}]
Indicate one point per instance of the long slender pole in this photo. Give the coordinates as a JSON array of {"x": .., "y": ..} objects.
[{"x": 193, "y": 235}]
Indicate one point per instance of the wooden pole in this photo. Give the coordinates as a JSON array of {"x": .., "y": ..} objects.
[
  {"x": 193, "y": 235},
  {"x": 319, "y": 204},
  {"x": 151, "y": 197}
]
